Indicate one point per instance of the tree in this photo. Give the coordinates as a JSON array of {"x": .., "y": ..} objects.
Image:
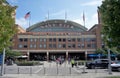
[
  {"x": 7, "y": 24},
  {"x": 110, "y": 15}
]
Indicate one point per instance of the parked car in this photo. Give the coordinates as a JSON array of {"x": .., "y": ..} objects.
[
  {"x": 99, "y": 63},
  {"x": 115, "y": 66}
]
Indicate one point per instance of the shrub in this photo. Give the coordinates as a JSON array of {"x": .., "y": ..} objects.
[{"x": 28, "y": 63}]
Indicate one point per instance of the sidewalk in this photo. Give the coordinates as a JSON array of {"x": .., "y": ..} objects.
[
  {"x": 86, "y": 75},
  {"x": 53, "y": 64}
]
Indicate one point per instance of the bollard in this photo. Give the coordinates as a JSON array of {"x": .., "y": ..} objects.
[
  {"x": 84, "y": 69},
  {"x": 57, "y": 69},
  {"x": 70, "y": 70},
  {"x": 30, "y": 70},
  {"x": 4, "y": 69},
  {"x": 95, "y": 69},
  {"x": 18, "y": 71},
  {"x": 44, "y": 70}
]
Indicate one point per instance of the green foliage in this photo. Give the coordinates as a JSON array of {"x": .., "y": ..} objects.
[
  {"x": 10, "y": 53},
  {"x": 101, "y": 51},
  {"x": 110, "y": 15},
  {"x": 28, "y": 63},
  {"x": 7, "y": 24}
]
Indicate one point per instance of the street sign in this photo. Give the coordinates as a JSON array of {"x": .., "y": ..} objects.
[{"x": 1, "y": 58}]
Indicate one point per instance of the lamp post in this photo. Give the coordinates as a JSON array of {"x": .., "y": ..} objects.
[
  {"x": 3, "y": 60},
  {"x": 109, "y": 60}
]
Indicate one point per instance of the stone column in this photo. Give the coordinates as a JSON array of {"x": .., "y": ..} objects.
[
  {"x": 47, "y": 56},
  {"x": 86, "y": 55},
  {"x": 66, "y": 55},
  {"x": 28, "y": 54}
]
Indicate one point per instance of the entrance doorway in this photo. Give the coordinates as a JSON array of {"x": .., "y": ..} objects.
[
  {"x": 38, "y": 56},
  {"x": 54, "y": 56},
  {"x": 77, "y": 56}
]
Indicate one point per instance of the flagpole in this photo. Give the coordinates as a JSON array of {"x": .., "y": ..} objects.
[
  {"x": 28, "y": 35},
  {"x": 29, "y": 19},
  {"x": 83, "y": 18},
  {"x": 48, "y": 14},
  {"x": 65, "y": 16}
]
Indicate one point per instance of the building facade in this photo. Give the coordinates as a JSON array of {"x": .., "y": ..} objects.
[{"x": 51, "y": 39}]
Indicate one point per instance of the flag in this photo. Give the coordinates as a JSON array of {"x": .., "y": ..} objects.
[{"x": 27, "y": 15}]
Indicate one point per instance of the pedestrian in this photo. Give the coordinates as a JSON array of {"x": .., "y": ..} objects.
[{"x": 72, "y": 62}]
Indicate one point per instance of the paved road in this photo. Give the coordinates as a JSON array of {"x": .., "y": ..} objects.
[{"x": 52, "y": 70}]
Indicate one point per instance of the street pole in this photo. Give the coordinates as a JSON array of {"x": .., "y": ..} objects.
[
  {"x": 109, "y": 59},
  {"x": 3, "y": 60}
]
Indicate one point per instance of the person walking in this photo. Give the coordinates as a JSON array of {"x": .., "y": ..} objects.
[{"x": 72, "y": 62}]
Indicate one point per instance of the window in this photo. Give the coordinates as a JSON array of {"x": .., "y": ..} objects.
[
  {"x": 54, "y": 39},
  {"x": 60, "y": 40},
  {"x": 25, "y": 39},
  {"x": 44, "y": 45},
  {"x": 31, "y": 39},
  {"x": 64, "y": 45},
  {"x": 59, "y": 46},
  {"x": 54, "y": 45},
  {"x": 88, "y": 45},
  {"x": 69, "y": 45},
  {"x": 31, "y": 45},
  {"x": 40, "y": 45},
  {"x": 78, "y": 39},
  {"x": 73, "y": 45},
  {"x": 20, "y": 39},
  {"x": 64, "y": 40},
  {"x": 82, "y": 39},
  {"x": 73, "y": 39},
  {"x": 34, "y": 45},
  {"x": 50, "y": 45},
  {"x": 20, "y": 46},
  {"x": 93, "y": 39},
  {"x": 25, "y": 46},
  {"x": 82, "y": 45},
  {"x": 50, "y": 39},
  {"x": 44, "y": 39},
  {"x": 79, "y": 46},
  {"x": 93, "y": 45},
  {"x": 40, "y": 39},
  {"x": 69, "y": 39},
  {"x": 35, "y": 39},
  {"x": 88, "y": 39}
]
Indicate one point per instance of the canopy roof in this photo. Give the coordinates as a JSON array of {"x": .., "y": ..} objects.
[{"x": 57, "y": 26}]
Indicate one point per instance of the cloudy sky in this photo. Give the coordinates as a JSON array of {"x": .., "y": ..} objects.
[{"x": 56, "y": 8}]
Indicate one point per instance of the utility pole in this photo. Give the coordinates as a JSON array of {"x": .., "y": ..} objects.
[{"x": 109, "y": 59}]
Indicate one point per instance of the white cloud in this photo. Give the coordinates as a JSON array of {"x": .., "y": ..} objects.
[
  {"x": 92, "y": 3},
  {"x": 22, "y": 22}
]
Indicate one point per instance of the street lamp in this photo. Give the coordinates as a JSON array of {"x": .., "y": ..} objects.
[{"x": 109, "y": 59}]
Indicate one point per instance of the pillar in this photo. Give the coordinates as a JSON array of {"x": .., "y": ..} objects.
[
  {"x": 47, "y": 56},
  {"x": 66, "y": 55},
  {"x": 28, "y": 54}
]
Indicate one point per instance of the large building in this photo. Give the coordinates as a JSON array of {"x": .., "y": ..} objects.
[{"x": 51, "y": 39}]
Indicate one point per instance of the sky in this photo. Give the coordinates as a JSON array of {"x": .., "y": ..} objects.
[{"x": 39, "y": 10}]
